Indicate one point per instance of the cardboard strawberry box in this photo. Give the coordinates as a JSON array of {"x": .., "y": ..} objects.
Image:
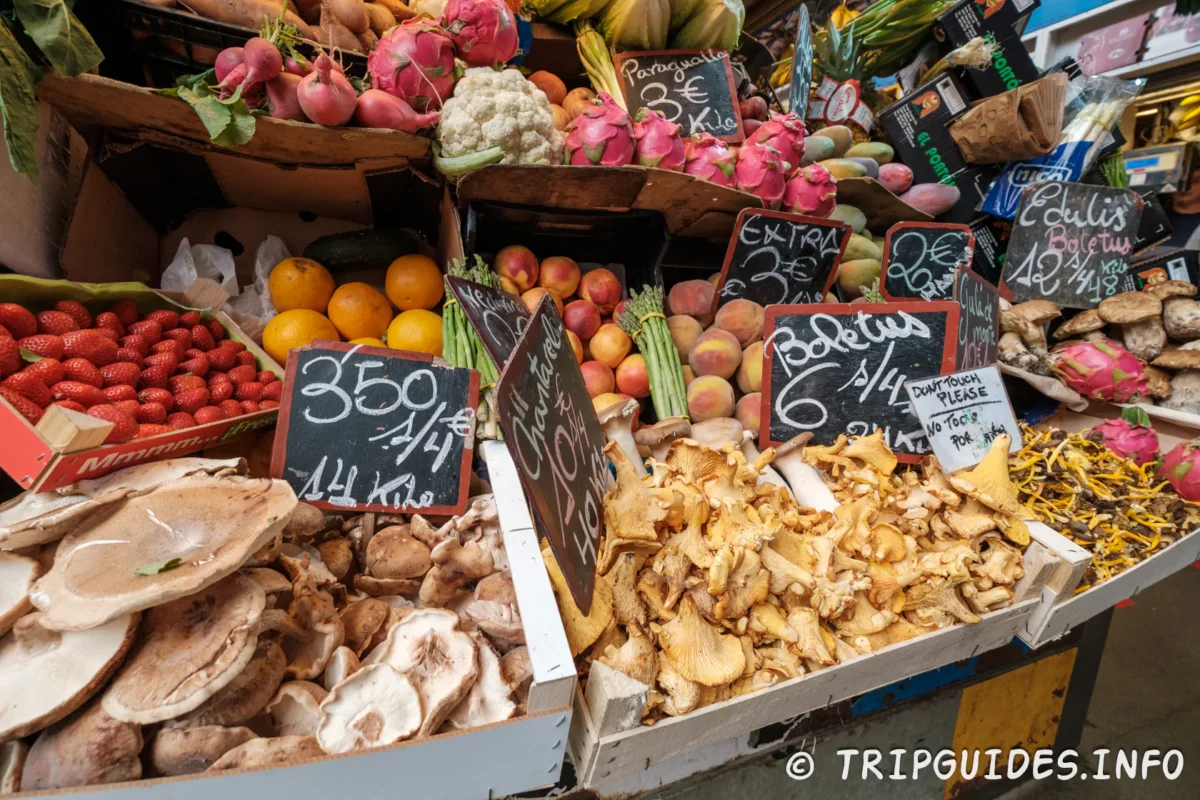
[{"x": 65, "y": 446}]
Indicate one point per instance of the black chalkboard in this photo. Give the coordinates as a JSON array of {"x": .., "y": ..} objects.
[
  {"x": 556, "y": 441},
  {"x": 776, "y": 258},
  {"x": 498, "y": 317},
  {"x": 834, "y": 369},
  {"x": 372, "y": 429},
  {"x": 1155, "y": 226},
  {"x": 694, "y": 88},
  {"x": 1071, "y": 243},
  {"x": 978, "y": 322},
  {"x": 919, "y": 259}
]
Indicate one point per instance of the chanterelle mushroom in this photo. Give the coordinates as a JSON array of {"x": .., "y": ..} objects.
[
  {"x": 88, "y": 749},
  {"x": 374, "y": 707},
  {"x": 187, "y": 751},
  {"x": 617, "y": 421},
  {"x": 582, "y": 631},
  {"x": 17, "y": 574},
  {"x": 698, "y": 651}
]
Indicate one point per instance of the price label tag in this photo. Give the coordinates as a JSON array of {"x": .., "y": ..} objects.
[
  {"x": 694, "y": 88},
  {"x": 962, "y": 414}
]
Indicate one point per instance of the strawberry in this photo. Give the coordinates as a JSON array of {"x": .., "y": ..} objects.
[
  {"x": 56, "y": 322},
  {"x": 30, "y": 387},
  {"x": 196, "y": 366},
  {"x": 223, "y": 390},
  {"x": 248, "y": 391},
  {"x": 130, "y": 407},
  {"x": 136, "y": 341},
  {"x": 146, "y": 431},
  {"x": 154, "y": 377},
  {"x": 124, "y": 428},
  {"x": 107, "y": 333},
  {"x": 129, "y": 356},
  {"x": 19, "y": 320},
  {"x": 91, "y": 345},
  {"x": 22, "y": 405},
  {"x": 232, "y": 344},
  {"x": 125, "y": 310},
  {"x": 167, "y": 319},
  {"x": 189, "y": 318},
  {"x": 221, "y": 358},
  {"x": 44, "y": 345},
  {"x": 172, "y": 346},
  {"x": 75, "y": 310},
  {"x": 181, "y": 335},
  {"x": 242, "y": 374},
  {"x": 266, "y": 376},
  {"x": 160, "y": 396},
  {"x": 202, "y": 338},
  {"x": 82, "y": 370},
  {"x": 151, "y": 329},
  {"x": 120, "y": 373},
  {"x": 10, "y": 357},
  {"x": 107, "y": 319},
  {"x": 152, "y": 414},
  {"x": 216, "y": 329},
  {"x": 231, "y": 408},
  {"x": 273, "y": 391},
  {"x": 70, "y": 404},
  {"x": 49, "y": 370},
  {"x": 191, "y": 400},
  {"x": 209, "y": 414},
  {"x": 265, "y": 404},
  {"x": 180, "y": 420},
  {"x": 83, "y": 393},
  {"x": 216, "y": 376},
  {"x": 246, "y": 358},
  {"x": 178, "y": 384},
  {"x": 167, "y": 361},
  {"x": 5, "y": 333},
  {"x": 249, "y": 406},
  {"x": 115, "y": 394}
]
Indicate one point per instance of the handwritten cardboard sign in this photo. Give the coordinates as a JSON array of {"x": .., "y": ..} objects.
[
  {"x": 694, "y": 88},
  {"x": 979, "y": 323},
  {"x": 497, "y": 316},
  {"x": 962, "y": 414},
  {"x": 919, "y": 259},
  {"x": 373, "y": 429}
]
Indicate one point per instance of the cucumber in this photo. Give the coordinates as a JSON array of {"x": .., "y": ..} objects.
[{"x": 366, "y": 249}]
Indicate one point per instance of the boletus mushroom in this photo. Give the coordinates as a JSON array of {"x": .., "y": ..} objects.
[{"x": 1140, "y": 316}]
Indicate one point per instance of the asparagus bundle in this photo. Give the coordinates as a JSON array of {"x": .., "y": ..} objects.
[
  {"x": 462, "y": 347},
  {"x": 643, "y": 319}
]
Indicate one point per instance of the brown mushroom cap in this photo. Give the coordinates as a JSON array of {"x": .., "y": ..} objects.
[
  {"x": 395, "y": 554},
  {"x": 1158, "y": 383},
  {"x": 1178, "y": 359},
  {"x": 490, "y": 698},
  {"x": 361, "y": 620},
  {"x": 1170, "y": 289},
  {"x": 1036, "y": 311},
  {"x": 17, "y": 574},
  {"x": 295, "y": 709},
  {"x": 269, "y": 753},
  {"x": 380, "y": 587},
  {"x": 662, "y": 432},
  {"x": 621, "y": 410},
  {"x": 187, "y": 751},
  {"x": 338, "y": 555},
  {"x": 1084, "y": 322},
  {"x": 1127, "y": 307},
  {"x": 247, "y": 694},
  {"x": 376, "y": 706},
  {"x": 89, "y": 749},
  {"x": 12, "y": 765},
  {"x": 304, "y": 521},
  {"x": 270, "y": 580}
]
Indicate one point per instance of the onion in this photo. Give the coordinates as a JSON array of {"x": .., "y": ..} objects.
[{"x": 325, "y": 96}]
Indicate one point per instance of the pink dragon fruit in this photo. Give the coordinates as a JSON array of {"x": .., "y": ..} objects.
[
  {"x": 761, "y": 171},
  {"x": 1129, "y": 436},
  {"x": 1102, "y": 370},
  {"x": 484, "y": 31},
  {"x": 707, "y": 157},
  {"x": 415, "y": 62},
  {"x": 811, "y": 190},
  {"x": 659, "y": 143},
  {"x": 1178, "y": 468},
  {"x": 783, "y": 133},
  {"x": 602, "y": 134}
]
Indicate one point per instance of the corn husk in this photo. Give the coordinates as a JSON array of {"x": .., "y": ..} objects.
[{"x": 713, "y": 25}]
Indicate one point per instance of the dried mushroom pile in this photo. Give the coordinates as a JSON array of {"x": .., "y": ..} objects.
[
  {"x": 717, "y": 582},
  {"x": 180, "y": 617}
]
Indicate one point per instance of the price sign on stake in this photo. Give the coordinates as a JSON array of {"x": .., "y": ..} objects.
[
  {"x": 834, "y": 369},
  {"x": 558, "y": 446},
  {"x": 962, "y": 415},
  {"x": 1071, "y": 243},
  {"x": 919, "y": 259},
  {"x": 694, "y": 88},
  {"x": 499, "y": 317},
  {"x": 372, "y": 429},
  {"x": 776, "y": 258},
  {"x": 979, "y": 322}
]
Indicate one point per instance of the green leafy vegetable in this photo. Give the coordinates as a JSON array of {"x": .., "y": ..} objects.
[
  {"x": 160, "y": 567},
  {"x": 18, "y": 76},
  {"x": 59, "y": 35},
  {"x": 228, "y": 121}
]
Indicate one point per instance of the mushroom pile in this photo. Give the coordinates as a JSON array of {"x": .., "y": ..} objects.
[
  {"x": 717, "y": 582},
  {"x": 182, "y": 617}
]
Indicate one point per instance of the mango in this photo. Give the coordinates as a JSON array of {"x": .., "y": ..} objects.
[
  {"x": 861, "y": 247},
  {"x": 843, "y": 168},
  {"x": 879, "y": 152},
  {"x": 896, "y": 178},
  {"x": 932, "y": 198},
  {"x": 843, "y": 138},
  {"x": 816, "y": 148},
  {"x": 851, "y": 216},
  {"x": 868, "y": 164},
  {"x": 854, "y": 276}
]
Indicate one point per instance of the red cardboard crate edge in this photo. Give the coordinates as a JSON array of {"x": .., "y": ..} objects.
[{"x": 34, "y": 464}]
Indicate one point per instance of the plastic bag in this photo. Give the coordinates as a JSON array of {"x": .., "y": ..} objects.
[
  {"x": 253, "y": 309},
  {"x": 200, "y": 261},
  {"x": 1094, "y": 105}
]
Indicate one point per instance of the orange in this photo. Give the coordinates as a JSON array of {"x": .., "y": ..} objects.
[
  {"x": 295, "y": 328},
  {"x": 358, "y": 310},
  {"x": 300, "y": 283},
  {"x": 414, "y": 282},
  {"x": 368, "y": 341},
  {"x": 417, "y": 330}
]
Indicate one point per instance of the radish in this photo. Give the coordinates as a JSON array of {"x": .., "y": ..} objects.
[
  {"x": 263, "y": 61},
  {"x": 281, "y": 90},
  {"x": 227, "y": 59},
  {"x": 290, "y": 64},
  {"x": 325, "y": 96},
  {"x": 378, "y": 109}
]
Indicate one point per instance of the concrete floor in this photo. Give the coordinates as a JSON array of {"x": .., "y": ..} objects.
[{"x": 1147, "y": 695}]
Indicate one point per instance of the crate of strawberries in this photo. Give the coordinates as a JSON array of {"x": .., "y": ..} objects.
[{"x": 96, "y": 377}]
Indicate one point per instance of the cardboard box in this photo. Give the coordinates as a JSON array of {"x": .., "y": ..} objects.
[{"x": 1000, "y": 22}]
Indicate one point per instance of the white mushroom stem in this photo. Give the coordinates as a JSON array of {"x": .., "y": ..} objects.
[
  {"x": 767, "y": 473},
  {"x": 807, "y": 485},
  {"x": 617, "y": 421}
]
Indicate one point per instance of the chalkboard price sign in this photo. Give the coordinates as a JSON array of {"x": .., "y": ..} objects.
[
  {"x": 979, "y": 322},
  {"x": 1071, "y": 243},
  {"x": 694, "y": 88},
  {"x": 834, "y": 369},
  {"x": 372, "y": 429},
  {"x": 499, "y": 317},
  {"x": 919, "y": 259},
  {"x": 776, "y": 258},
  {"x": 558, "y": 446}
]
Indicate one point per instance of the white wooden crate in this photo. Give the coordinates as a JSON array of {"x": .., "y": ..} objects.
[
  {"x": 601, "y": 757},
  {"x": 483, "y": 763}
]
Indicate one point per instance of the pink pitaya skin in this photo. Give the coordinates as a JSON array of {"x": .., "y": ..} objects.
[
  {"x": 602, "y": 135},
  {"x": 1179, "y": 468},
  {"x": 659, "y": 143},
  {"x": 783, "y": 133},
  {"x": 707, "y": 157},
  {"x": 1135, "y": 442},
  {"x": 761, "y": 171},
  {"x": 415, "y": 62},
  {"x": 812, "y": 191},
  {"x": 484, "y": 31},
  {"x": 1102, "y": 370}
]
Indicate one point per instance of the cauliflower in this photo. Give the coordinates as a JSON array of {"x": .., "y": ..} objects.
[
  {"x": 503, "y": 110},
  {"x": 432, "y": 8}
]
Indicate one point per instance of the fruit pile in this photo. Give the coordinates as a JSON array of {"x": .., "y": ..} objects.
[{"x": 147, "y": 374}]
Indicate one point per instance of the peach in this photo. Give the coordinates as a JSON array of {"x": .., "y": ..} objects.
[
  {"x": 602, "y": 288},
  {"x": 632, "y": 378},
  {"x": 685, "y": 331},
  {"x": 519, "y": 265},
  {"x": 693, "y": 298},
  {"x": 716, "y": 352},
  {"x": 559, "y": 274},
  {"x": 576, "y": 346},
  {"x": 714, "y": 279},
  {"x": 581, "y": 317},
  {"x": 597, "y": 377},
  {"x": 742, "y": 318},
  {"x": 854, "y": 276},
  {"x": 688, "y": 375},
  {"x": 534, "y": 296},
  {"x": 709, "y": 397},
  {"x": 610, "y": 345},
  {"x": 620, "y": 309},
  {"x": 507, "y": 285},
  {"x": 749, "y": 374},
  {"x": 747, "y": 411}
]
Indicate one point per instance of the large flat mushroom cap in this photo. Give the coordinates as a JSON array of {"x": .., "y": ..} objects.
[
  {"x": 191, "y": 648},
  {"x": 1178, "y": 359},
  {"x": 210, "y": 525},
  {"x": 247, "y": 694},
  {"x": 1127, "y": 307},
  {"x": 186, "y": 751},
  {"x": 1171, "y": 289},
  {"x": 279, "y": 751},
  {"x": 1084, "y": 322},
  {"x": 45, "y": 675},
  {"x": 17, "y": 574},
  {"x": 89, "y": 749},
  {"x": 374, "y": 707},
  {"x": 490, "y": 697}
]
